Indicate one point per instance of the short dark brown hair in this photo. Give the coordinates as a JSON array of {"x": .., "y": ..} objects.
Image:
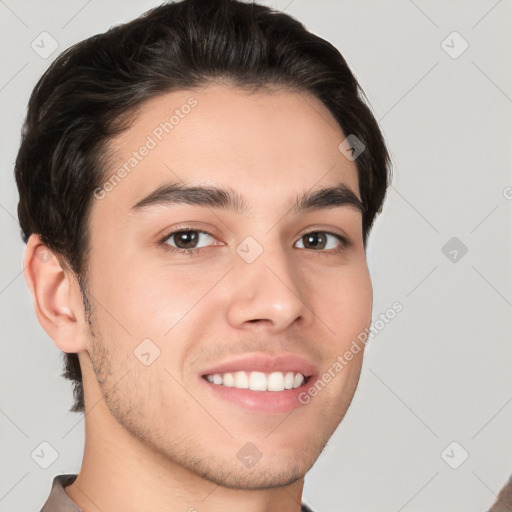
[{"x": 80, "y": 102}]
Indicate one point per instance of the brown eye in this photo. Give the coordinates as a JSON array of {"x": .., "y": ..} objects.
[
  {"x": 322, "y": 241},
  {"x": 187, "y": 240}
]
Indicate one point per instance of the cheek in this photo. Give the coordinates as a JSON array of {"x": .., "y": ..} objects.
[
  {"x": 147, "y": 300},
  {"x": 347, "y": 301}
]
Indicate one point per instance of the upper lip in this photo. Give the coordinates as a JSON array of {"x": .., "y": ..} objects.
[{"x": 260, "y": 362}]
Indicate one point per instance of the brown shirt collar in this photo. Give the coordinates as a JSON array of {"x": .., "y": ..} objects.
[{"x": 59, "y": 501}]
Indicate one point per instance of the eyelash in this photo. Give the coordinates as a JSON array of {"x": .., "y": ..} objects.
[{"x": 193, "y": 252}]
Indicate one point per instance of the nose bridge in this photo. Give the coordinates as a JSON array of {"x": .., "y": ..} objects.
[{"x": 266, "y": 286}]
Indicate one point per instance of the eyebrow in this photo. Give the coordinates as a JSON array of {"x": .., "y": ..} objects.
[{"x": 226, "y": 198}]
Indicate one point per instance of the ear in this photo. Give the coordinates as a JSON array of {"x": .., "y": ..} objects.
[{"x": 56, "y": 295}]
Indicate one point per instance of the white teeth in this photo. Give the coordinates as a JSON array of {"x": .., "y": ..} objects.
[
  {"x": 228, "y": 380},
  {"x": 275, "y": 382},
  {"x": 299, "y": 379},
  {"x": 288, "y": 380},
  {"x": 258, "y": 381},
  {"x": 241, "y": 380}
]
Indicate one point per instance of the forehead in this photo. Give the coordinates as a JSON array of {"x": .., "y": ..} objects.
[{"x": 268, "y": 145}]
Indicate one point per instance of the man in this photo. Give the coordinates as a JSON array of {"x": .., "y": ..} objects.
[{"x": 197, "y": 188}]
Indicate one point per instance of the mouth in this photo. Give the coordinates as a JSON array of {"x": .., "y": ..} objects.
[
  {"x": 261, "y": 383},
  {"x": 275, "y": 381},
  {"x": 254, "y": 398}
]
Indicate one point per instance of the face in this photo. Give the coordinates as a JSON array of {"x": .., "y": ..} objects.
[{"x": 257, "y": 278}]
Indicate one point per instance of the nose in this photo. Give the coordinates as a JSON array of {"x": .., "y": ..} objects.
[{"x": 270, "y": 291}]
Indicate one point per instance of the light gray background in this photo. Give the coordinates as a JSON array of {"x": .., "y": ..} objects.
[{"x": 440, "y": 371}]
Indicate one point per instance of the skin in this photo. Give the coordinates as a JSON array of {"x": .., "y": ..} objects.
[{"x": 155, "y": 438}]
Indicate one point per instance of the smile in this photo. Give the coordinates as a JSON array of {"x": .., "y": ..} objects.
[{"x": 258, "y": 381}]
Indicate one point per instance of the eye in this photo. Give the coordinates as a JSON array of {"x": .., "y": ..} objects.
[
  {"x": 318, "y": 240},
  {"x": 186, "y": 240}
]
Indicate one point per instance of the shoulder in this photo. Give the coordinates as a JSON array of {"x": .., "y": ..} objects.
[
  {"x": 503, "y": 502},
  {"x": 58, "y": 500}
]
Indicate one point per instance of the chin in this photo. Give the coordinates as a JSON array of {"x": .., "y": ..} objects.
[{"x": 258, "y": 477}]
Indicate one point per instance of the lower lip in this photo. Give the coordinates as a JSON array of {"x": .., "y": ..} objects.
[{"x": 266, "y": 402}]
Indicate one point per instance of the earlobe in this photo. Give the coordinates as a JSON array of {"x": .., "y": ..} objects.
[{"x": 52, "y": 293}]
